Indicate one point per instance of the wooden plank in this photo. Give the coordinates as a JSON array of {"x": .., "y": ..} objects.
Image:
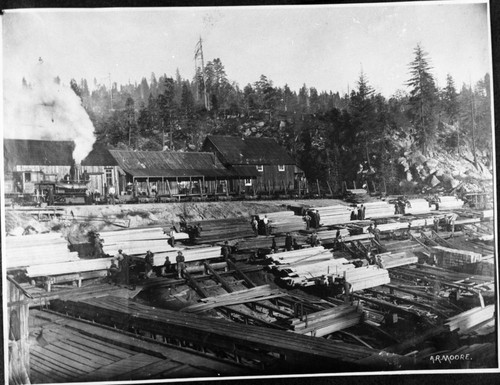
[{"x": 121, "y": 368}]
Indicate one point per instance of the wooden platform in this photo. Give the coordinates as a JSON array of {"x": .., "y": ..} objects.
[
  {"x": 298, "y": 353},
  {"x": 73, "y": 350}
]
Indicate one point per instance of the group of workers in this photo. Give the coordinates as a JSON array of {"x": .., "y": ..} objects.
[
  {"x": 260, "y": 226},
  {"x": 312, "y": 219},
  {"x": 358, "y": 213},
  {"x": 121, "y": 265}
]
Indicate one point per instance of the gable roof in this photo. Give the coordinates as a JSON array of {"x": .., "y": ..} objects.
[
  {"x": 169, "y": 164},
  {"x": 37, "y": 153},
  {"x": 249, "y": 151},
  {"x": 99, "y": 156}
]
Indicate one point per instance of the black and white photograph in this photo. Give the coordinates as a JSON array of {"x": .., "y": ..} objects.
[{"x": 291, "y": 193}]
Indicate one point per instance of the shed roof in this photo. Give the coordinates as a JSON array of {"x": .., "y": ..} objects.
[
  {"x": 27, "y": 152},
  {"x": 249, "y": 151},
  {"x": 170, "y": 164}
]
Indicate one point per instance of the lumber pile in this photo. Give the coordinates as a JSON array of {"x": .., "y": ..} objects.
[
  {"x": 390, "y": 260},
  {"x": 328, "y": 237},
  {"x": 135, "y": 241},
  {"x": 417, "y": 206},
  {"x": 328, "y": 321},
  {"x": 359, "y": 195},
  {"x": 302, "y": 255},
  {"x": 447, "y": 257},
  {"x": 379, "y": 209},
  {"x": 265, "y": 242},
  {"x": 310, "y": 273},
  {"x": 486, "y": 267},
  {"x": 284, "y": 222},
  {"x": 36, "y": 249},
  {"x": 217, "y": 230},
  {"x": 258, "y": 293},
  {"x": 366, "y": 277},
  {"x": 486, "y": 214},
  {"x": 449, "y": 203},
  {"x": 192, "y": 254},
  {"x": 63, "y": 268},
  {"x": 334, "y": 215},
  {"x": 467, "y": 321}
]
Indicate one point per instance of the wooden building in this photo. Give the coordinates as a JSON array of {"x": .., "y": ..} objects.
[
  {"x": 27, "y": 162},
  {"x": 102, "y": 171},
  {"x": 174, "y": 174},
  {"x": 276, "y": 170}
]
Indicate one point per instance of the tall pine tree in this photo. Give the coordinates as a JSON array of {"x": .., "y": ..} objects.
[{"x": 423, "y": 101}]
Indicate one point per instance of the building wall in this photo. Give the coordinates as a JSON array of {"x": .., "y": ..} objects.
[
  {"x": 100, "y": 177},
  {"x": 271, "y": 179},
  {"x": 58, "y": 171}
]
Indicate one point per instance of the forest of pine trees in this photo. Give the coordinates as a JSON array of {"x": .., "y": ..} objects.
[{"x": 333, "y": 137}]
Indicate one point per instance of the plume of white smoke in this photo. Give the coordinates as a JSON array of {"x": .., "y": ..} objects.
[{"x": 47, "y": 111}]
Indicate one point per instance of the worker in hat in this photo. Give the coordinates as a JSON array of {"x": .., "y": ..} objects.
[
  {"x": 181, "y": 265},
  {"x": 149, "y": 263}
]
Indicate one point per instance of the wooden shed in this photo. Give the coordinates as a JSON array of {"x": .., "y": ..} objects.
[
  {"x": 173, "y": 174},
  {"x": 276, "y": 170},
  {"x": 102, "y": 171}
]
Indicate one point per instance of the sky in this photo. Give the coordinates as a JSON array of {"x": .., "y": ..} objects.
[{"x": 321, "y": 46}]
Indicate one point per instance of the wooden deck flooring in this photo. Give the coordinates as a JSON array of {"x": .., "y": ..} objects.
[{"x": 74, "y": 350}]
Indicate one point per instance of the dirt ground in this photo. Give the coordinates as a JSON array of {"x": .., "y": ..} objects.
[{"x": 78, "y": 220}]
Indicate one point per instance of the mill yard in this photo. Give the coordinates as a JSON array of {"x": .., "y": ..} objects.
[{"x": 346, "y": 292}]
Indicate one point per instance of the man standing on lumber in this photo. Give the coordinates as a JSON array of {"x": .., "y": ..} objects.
[
  {"x": 171, "y": 235},
  {"x": 314, "y": 239},
  {"x": 181, "y": 265},
  {"x": 124, "y": 265},
  {"x": 318, "y": 219},
  {"x": 307, "y": 219},
  {"x": 113, "y": 272},
  {"x": 149, "y": 264},
  {"x": 167, "y": 265},
  {"x": 226, "y": 251},
  {"x": 288, "y": 242},
  {"x": 255, "y": 226},
  {"x": 265, "y": 221}
]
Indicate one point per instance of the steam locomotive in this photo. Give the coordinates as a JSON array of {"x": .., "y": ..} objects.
[{"x": 42, "y": 189}]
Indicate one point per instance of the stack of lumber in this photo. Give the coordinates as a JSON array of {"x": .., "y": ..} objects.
[
  {"x": 327, "y": 321},
  {"x": 468, "y": 321},
  {"x": 328, "y": 237},
  {"x": 359, "y": 195},
  {"x": 366, "y": 277},
  {"x": 485, "y": 214},
  {"x": 417, "y": 206},
  {"x": 333, "y": 215},
  {"x": 37, "y": 249},
  {"x": 135, "y": 241},
  {"x": 284, "y": 221},
  {"x": 447, "y": 257},
  {"x": 486, "y": 267},
  {"x": 194, "y": 254},
  {"x": 265, "y": 242},
  {"x": 63, "y": 268},
  {"x": 403, "y": 225},
  {"x": 308, "y": 254},
  {"x": 223, "y": 229},
  {"x": 331, "y": 267},
  {"x": 390, "y": 260},
  {"x": 315, "y": 274},
  {"x": 379, "y": 209},
  {"x": 258, "y": 293},
  {"x": 449, "y": 203}
]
